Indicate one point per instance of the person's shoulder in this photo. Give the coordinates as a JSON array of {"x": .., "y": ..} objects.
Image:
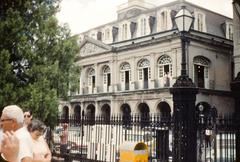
[
  {"x": 41, "y": 138},
  {"x": 22, "y": 133}
]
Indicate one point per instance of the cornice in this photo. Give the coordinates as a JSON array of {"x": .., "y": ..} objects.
[
  {"x": 112, "y": 95},
  {"x": 170, "y": 35}
]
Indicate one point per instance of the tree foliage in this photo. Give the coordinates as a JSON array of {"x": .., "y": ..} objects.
[{"x": 36, "y": 57}]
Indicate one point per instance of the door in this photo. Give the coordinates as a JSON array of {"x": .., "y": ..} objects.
[
  {"x": 126, "y": 80},
  {"x": 145, "y": 78}
]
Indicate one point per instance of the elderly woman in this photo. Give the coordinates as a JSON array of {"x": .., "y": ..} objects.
[{"x": 41, "y": 151}]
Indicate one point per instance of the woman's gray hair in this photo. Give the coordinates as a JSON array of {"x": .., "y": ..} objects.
[
  {"x": 14, "y": 112},
  {"x": 36, "y": 125}
]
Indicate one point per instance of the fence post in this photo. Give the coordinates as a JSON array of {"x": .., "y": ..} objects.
[
  {"x": 184, "y": 120},
  {"x": 235, "y": 87}
]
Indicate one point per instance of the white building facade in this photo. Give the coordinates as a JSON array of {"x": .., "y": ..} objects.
[{"x": 129, "y": 65}]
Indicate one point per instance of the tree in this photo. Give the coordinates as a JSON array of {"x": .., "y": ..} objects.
[{"x": 36, "y": 57}]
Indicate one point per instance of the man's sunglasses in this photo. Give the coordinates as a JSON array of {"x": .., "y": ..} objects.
[{"x": 28, "y": 116}]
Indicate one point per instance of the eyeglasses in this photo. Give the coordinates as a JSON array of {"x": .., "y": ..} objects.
[
  {"x": 28, "y": 116},
  {"x": 3, "y": 120}
]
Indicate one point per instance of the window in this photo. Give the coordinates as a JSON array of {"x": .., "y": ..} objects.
[
  {"x": 125, "y": 74},
  {"x": 164, "y": 66},
  {"x": 201, "y": 71},
  {"x": 143, "y": 64},
  {"x": 124, "y": 32},
  {"x": 143, "y": 26},
  {"x": 103, "y": 35},
  {"x": 106, "y": 77},
  {"x": 93, "y": 35},
  {"x": 163, "y": 20},
  {"x": 229, "y": 31},
  {"x": 199, "y": 22},
  {"x": 91, "y": 77},
  {"x": 107, "y": 34},
  {"x": 144, "y": 72},
  {"x": 106, "y": 71}
]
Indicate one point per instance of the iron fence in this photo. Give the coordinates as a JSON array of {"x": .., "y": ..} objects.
[{"x": 100, "y": 138}]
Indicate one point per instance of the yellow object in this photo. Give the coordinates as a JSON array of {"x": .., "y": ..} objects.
[{"x": 133, "y": 152}]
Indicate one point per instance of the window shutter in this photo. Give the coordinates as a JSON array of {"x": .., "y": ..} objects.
[
  {"x": 149, "y": 73},
  {"x": 140, "y": 74},
  {"x": 206, "y": 72},
  {"x": 122, "y": 76},
  {"x": 160, "y": 71}
]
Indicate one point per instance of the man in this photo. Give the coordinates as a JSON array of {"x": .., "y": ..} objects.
[
  {"x": 64, "y": 139},
  {"x": 27, "y": 117},
  {"x": 12, "y": 120}
]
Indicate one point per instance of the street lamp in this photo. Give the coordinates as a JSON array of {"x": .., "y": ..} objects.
[
  {"x": 184, "y": 96},
  {"x": 201, "y": 130},
  {"x": 183, "y": 21},
  {"x": 201, "y": 115}
]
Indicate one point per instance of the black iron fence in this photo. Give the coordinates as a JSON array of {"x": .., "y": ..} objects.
[{"x": 100, "y": 138}]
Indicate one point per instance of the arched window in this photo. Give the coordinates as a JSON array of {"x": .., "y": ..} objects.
[
  {"x": 106, "y": 77},
  {"x": 201, "y": 71},
  {"x": 125, "y": 74},
  {"x": 165, "y": 70},
  {"x": 164, "y": 66},
  {"x": 91, "y": 79},
  {"x": 144, "y": 72}
]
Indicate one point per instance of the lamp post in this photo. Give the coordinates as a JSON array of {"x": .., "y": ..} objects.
[
  {"x": 201, "y": 123},
  {"x": 184, "y": 96}
]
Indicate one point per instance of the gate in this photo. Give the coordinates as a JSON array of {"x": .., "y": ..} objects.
[
  {"x": 217, "y": 140},
  {"x": 99, "y": 139}
]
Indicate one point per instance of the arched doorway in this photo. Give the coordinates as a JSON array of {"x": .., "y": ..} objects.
[
  {"x": 126, "y": 114},
  {"x": 90, "y": 114},
  {"x": 206, "y": 112},
  {"x": 162, "y": 136},
  {"x": 203, "y": 108},
  {"x": 106, "y": 112},
  {"x": 77, "y": 115},
  {"x": 65, "y": 114},
  {"x": 165, "y": 110},
  {"x": 144, "y": 114}
]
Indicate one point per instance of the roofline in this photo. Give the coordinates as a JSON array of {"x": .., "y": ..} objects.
[{"x": 155, "y": 8}]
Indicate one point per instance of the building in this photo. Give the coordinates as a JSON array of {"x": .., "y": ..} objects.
[
  {"x": 235, "y": 85},
  {"x": 236, "y": 21},
  {"x": 128, "y": 66}
]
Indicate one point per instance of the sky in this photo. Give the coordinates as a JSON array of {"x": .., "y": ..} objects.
[{"x": 82, "y": 15}]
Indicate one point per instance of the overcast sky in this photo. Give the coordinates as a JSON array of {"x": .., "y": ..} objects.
[{"x": 82, "y": 15}]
